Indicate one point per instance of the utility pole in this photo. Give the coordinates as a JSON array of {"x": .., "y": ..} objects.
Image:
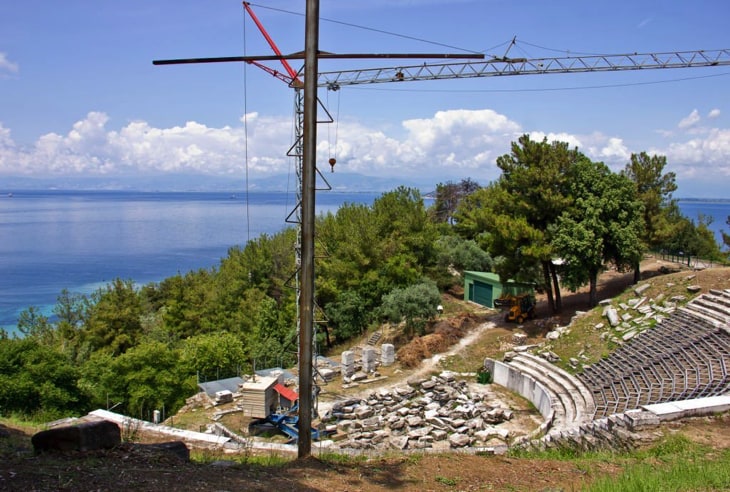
[{"x": 309, "y": 165}]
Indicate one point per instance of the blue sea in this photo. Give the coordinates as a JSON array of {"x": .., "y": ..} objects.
[{"x": 81, "y": 240}]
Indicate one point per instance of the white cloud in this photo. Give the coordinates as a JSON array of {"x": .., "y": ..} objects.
[
  {"x": 692, "y": 119},
  {"x": 701, "y": 157},
  {"x": 450, "y": 145},
  {"x": 714, "y": 113},
  {"x": 457, "y": 142},
  {"x": 6, "y": 65},
  {"x": 571, "y": 140},
  {"x": 447, "y": 146},
  {"x": 92, "y": 149},
  {"x": 614, "y": 150}
]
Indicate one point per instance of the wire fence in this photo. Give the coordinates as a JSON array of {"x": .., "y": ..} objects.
[{"x": 691, "y": 261}]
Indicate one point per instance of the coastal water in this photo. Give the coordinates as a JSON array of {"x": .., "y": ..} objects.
[
  {"x": 717, "y": 210},
  {"x": 81, "y": 240}
]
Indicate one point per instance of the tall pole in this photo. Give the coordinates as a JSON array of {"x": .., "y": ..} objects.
[{"x": 306, "y": 300}]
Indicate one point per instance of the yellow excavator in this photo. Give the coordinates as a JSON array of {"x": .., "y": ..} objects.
[{"x": 519, "y": 307}]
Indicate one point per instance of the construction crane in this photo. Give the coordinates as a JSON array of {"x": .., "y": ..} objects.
[
  {"x": 305, "y": 110},
  {"x": 505, "y": 66},
  {"x": 334, "y": 80}
]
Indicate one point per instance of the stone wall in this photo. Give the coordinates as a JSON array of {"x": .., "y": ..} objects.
[{"x": 522, "y": 384}]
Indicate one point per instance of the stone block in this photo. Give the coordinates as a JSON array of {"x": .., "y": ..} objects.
[
  {"x": 368, "y": 359},
  {"x": 348, "y": 357},
  {"x": 641, "y": 289},
  {"x": 87, "y": 436},
  {"x": 519, "y": 338},
  {"x": 387, "y": 354},
  {"x": 612, "y": 316},
  {"x": 459, "y": 440}
]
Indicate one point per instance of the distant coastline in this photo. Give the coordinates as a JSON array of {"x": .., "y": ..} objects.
[{"x": 705, "y": 200}]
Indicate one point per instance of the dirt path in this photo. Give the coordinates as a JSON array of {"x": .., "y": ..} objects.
[{"x": 430, "y": 364}]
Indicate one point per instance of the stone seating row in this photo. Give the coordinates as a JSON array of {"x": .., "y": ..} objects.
[
  {"x": 714, "y": 305},
  {"x": 686, "y": 356},
  {"x": 572, "y": 401}
]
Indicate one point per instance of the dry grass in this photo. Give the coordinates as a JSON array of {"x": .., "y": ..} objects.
[{"x": 446, "y": 333}]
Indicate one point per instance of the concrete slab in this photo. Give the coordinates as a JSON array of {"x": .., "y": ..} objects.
[
  {"x": 182, "y": 434},
  {"x": 689, "y": 408}
]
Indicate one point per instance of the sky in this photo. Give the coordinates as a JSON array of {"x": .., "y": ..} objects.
[{"x": 80, "y": 97}]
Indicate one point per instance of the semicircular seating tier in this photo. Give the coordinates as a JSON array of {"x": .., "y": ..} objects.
[{"x": 685, "y": 356}]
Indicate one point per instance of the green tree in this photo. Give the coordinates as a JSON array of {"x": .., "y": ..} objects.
[
  {"x": 448, "y": 197},
  {"x": 535, "y": 178},
  {"x": 71, "y": 308},
  {"x": 188, "y": 303},
  {"x": 214, "y": 355},
  {"x": 350, "y": 255},
  {"x": 71, "y": 312},
  {"x": 691, "y": 240},
  {"x": 462, "y": 254},
  {"x": 708, "y": 248},
  {"x": 347, "y": 315},
  {"x": 654, "y": 189},
  {"x": 149, "y": 377},
  {"x": 604, "y": 224},
  {"x": 36, "y": 380},
  {"x": 407, "y": 236},
  {"x": 273, "y": 340},
  {"x": 512, "y": 216},
  {"x": 487, "y": 217},
  {"x": 32, "y": 323},
  {"x": 372, "y": 250},
  {"x": 414, "y": 305},
  {"x": 114, "y": 318}
]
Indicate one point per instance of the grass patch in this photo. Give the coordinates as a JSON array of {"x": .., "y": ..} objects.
[
  {"x": 674, "y": 463},
  {"x": 263, "y": 460},
  {"x": 672, "y": 472},
  {"x": 342, "y": 459},
  {"x": 449, "y": 482},
  {"x": 584, "y": 342},
  {"x": 193, "y": 420}
]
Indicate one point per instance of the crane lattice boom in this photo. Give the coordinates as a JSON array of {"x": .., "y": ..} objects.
[{"x": 500, "y": 66}]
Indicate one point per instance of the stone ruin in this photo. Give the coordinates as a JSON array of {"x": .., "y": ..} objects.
[
  {"x": 667, "y": 351},
  {"x": 622, "y": 322},
  {"x": 435, "y": 413},
  {"x": 354, "y": 371},
  {"x": 626, "y": 320}
]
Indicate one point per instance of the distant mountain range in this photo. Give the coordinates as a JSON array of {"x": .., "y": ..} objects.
[{"x": 339, "y": 181}]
